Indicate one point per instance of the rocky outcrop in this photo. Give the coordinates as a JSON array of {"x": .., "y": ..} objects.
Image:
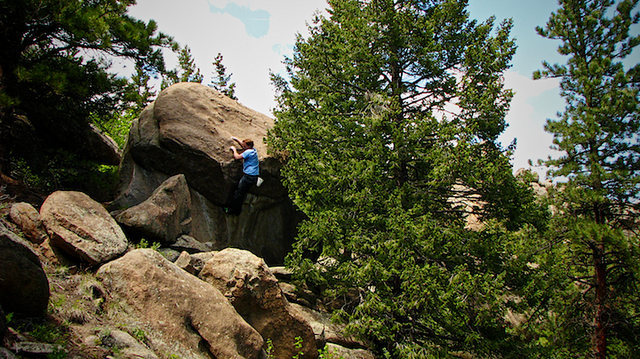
[
  {"x": 28, "y": 219},
  {"x": 337, "y": 351},
  {"x": 24, "y": 287},
  {"x": 82, "y": 228},
  {"x": 325, "y": 330},
  {"x": 181, "y": 306},
  {"x": 164, "y": 216},
  {"x": 127, "y": 346},
  {"x": 3, "y": 324},
  {"x": 98, "y": 146},
  {"x": 189, "y": 244},
  {"x": 193, "y": 263},
  {"x": 254, "y": 292},
  {"x": 188, "y": 131}
]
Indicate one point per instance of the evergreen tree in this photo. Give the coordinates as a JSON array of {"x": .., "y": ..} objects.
[
  {"x": 138, "y": 94},
  {"x": 54, "y": 74},
  {"x": 187, "y": 70},
  {"x": 389, "y": 121},
  {"x": 598, "y": 135},
  {"x": 221, "y": 80}
]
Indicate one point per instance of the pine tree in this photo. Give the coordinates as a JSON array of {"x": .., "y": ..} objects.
[
  {"x": 220, "y": 80},
  {"x": 187, "y": 70},
  {"x": 388, "y": 120},
  {"x": 54, "y": 76},
  {"x": 598, "y": 135}
]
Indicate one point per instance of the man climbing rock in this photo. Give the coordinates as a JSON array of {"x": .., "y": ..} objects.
[{"x": 251, "y": 171}]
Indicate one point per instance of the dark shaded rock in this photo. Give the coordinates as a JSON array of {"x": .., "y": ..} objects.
[
  {"x": 6, "y": 354},
  {"x": 189, "y": 244},
  {"x": 164, "y": 216},
  {"x": 3, "y": 324},
  {"x": 24, "y": 287}
]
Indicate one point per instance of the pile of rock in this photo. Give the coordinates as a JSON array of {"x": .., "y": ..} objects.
[{"x": 207, "y": 300}]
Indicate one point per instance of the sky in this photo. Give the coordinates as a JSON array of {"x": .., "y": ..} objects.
[{"x": 254, "y": 36}]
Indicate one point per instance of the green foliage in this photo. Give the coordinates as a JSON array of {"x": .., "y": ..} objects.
[
  {"x": 145, "y": 244},
  {"x": 298, "y": 346},
  {"x": 55, "y": 80},
  {"x": 269, "y": 348},
  {"x": 46, "y": 332},
  {"x": 381, "y": 165},
  {"x": 221, "y": 80},
  {"x": 187, "y": 70},
  {"x": 595, "y": 308},
  {"x": 139, "y": 334},
  {"x": 8, "y": 318},
  {"x": 60, "y": 169}
]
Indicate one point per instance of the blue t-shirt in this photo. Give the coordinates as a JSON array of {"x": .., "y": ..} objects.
[{"x": 250, "y": 163}]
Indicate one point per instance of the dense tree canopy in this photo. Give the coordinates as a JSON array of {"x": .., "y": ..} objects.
[
  {"x": 598, "y": 136},
  {"x": 389, "y": 120},
  {"x": 54, "y": 69}
]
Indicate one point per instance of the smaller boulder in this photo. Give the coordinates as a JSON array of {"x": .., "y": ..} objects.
[
  {"x": 181, "y": 307},
  {"x": 82, "y": 228},
  {"x": 164, "y": 216},
  {"x": 189, "y": 244},
  {"x": 24, "y": 287},
  {"x": 337, "y": 351},
  {"x": 193, "y": 263},
  {"x": 28, "y": 219},
  {"x": 253, "y": 290},
  {"x": 128, "y": 346},
  {"x": 3, "y": 325},
  {"x": 6, "y": 354},
  {"x": 325, "y": 330}
]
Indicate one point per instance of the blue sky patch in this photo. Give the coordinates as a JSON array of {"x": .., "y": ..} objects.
[{"x": 256, "y": 22}]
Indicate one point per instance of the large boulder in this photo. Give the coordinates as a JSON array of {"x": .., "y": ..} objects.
[
  {"x": 254, "y": 292},
  {"x": 24, "y": 287},
  {"x": 182, "y": 307},
  {"x": 28, "y": 219},
  {"x": 82, "y": 227},
  {"x": 187, "y": 130},
  {"x": 164, "y": 216}
]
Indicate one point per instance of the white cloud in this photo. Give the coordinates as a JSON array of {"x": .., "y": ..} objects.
[
  {"x": 526, "y": 120},
  {"x": 208, "y": 33}
]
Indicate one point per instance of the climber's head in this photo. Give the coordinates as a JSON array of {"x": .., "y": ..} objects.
[{"x": 247, "y": 143}]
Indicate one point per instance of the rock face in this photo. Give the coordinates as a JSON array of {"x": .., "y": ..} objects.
[
  {"x": 164, "y": 216},
  {"x": 28, "y": 219},
  {"x": 337, "y": 351},
  {"x": 188, "y": 131},
  {"x": 254, "y": 292},
  {"x": 24, "y": 287},
  {"x": 181, "y": 306},
  {"x": 82, "y": 228}
]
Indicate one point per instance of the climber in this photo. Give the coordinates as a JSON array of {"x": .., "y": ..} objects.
[{"x": 251, "y": 171}]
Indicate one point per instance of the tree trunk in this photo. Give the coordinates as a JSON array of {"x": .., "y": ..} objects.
[{"x": 600, "y": 266}]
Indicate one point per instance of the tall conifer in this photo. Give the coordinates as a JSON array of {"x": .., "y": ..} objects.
[
  {"x": 389, "y": 120},
  {"x": 598, "y": 136}
]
